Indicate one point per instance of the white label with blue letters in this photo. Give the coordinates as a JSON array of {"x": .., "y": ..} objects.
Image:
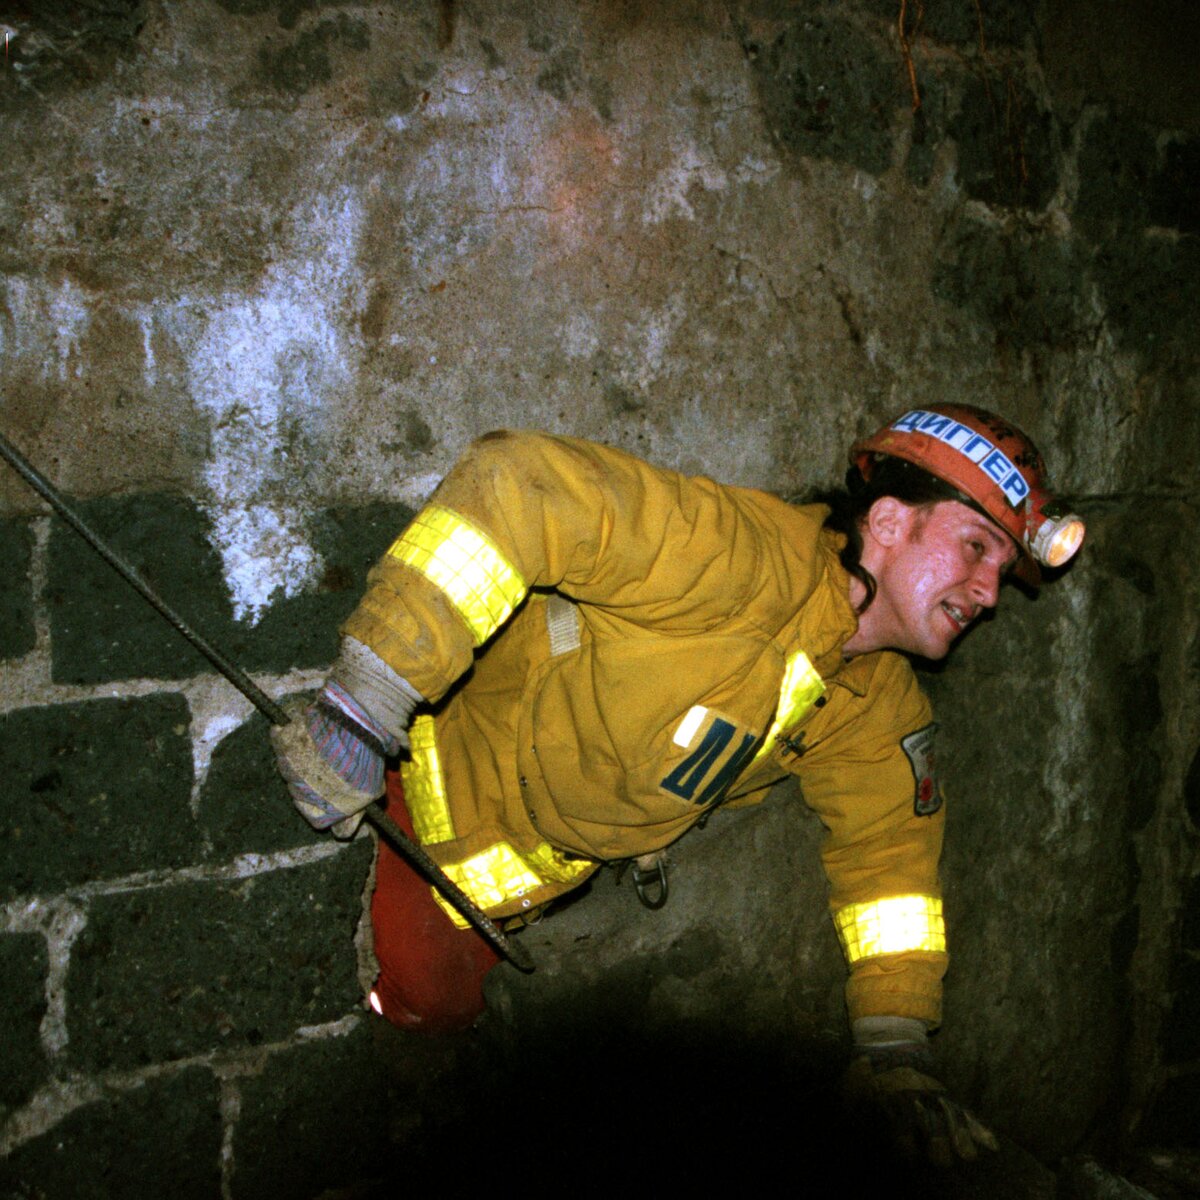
[{"x": 992, "y": 461}]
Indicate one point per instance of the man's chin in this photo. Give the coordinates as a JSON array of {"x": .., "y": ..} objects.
[{"x": 933, "y": 649}]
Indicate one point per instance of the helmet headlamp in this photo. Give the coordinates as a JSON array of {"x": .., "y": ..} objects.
[{"x": 1057, "y": 539}]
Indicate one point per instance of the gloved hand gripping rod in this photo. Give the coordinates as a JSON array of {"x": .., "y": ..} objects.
[{"x": 404, "y": 845}]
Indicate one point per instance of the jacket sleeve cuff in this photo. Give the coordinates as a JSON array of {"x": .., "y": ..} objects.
[{"x": 908, "y": 985}]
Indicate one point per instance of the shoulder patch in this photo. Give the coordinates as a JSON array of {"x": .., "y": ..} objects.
[{"x": 918, "y": 746}]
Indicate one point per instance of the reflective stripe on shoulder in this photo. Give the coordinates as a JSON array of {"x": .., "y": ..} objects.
[
  {"x": 891, "y": 925},
  {"x": 465, "y": 564},
  {"x": 801, "y": 688}
]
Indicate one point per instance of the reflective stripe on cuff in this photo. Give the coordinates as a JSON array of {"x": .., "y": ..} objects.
[
  {"x": 892, "y": 925},
  {"x": 456, "y": 557}
]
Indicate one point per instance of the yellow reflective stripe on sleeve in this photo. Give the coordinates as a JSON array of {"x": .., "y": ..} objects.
[
  {"x": 499, "y": 875},
  {"x": 424, "y": 787},
  {"x": 892, "y": 925},
  {"x": 465, "y": 564},
  {"x": 801, "y": 688}
]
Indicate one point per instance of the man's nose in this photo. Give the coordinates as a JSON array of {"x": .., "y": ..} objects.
[{"x": 985, "y": 584}]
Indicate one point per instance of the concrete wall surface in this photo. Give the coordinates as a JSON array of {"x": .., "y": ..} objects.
[{"x": 268, "y": 266}]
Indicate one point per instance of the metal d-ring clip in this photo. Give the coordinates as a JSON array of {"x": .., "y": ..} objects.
[{"x": 643, "y": 881}]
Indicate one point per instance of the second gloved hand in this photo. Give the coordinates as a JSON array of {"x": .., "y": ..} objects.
[
  {"x": 332, "y": 750},
  {"x": 892, "y": 1073}
]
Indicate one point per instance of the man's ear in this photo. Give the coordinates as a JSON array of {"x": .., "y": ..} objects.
[{"x": 888, "y": 521}]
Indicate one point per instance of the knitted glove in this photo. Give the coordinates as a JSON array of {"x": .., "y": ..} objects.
[
  {"x": 332, "y": 756},
  {"x": 892, "y": 1073},
  {"x": 332, "y": 751}
]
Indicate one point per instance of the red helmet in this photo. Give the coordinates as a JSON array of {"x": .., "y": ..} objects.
[{"x": 993, "y": 463}]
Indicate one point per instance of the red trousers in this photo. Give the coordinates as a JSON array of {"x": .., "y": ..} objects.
[{"x": 430, "y": 971}]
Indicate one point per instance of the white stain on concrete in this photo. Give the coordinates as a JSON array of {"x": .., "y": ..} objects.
[
  {"x": 667, "y": 196},
  {"x": 653, "y": 340},
  {"x": 579, "y": 336},
  {"x": 416, "y": 489},
  {"x": 263, "y": 369},
  {"x": 69, "y": 318},
  {"x": 60, "y": 921},
  {"x": 445, "y": 168},
  {"x": 865, "y": 185},
  {"x": 48, "y": 322},
  {"x": 754, "y": 168},
  {"x": 217, "y": 709},
  {"x": 145, "y": 319},
  {"x": 500, "y": 176},
  {"x": 231, "y": 1113}
]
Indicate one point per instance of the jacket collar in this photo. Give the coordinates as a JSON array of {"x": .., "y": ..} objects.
[{"x": 825, "y": 621}]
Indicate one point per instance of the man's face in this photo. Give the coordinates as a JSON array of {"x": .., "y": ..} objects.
[{"x": 937, "y": 569}]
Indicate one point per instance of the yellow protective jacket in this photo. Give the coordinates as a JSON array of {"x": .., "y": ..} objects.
[{"x": 611, "y": 650}]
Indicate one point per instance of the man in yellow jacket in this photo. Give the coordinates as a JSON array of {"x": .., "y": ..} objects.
[{"x": 583, "y": 655}]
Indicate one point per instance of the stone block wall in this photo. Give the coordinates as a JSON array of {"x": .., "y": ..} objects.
[{"x": 178, "y": 949}]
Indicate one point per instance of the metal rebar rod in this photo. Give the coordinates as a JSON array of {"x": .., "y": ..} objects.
[{"x": 404, "y": 845}]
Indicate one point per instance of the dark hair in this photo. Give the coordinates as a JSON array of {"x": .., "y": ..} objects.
[{"x": 849, "y": 505}]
